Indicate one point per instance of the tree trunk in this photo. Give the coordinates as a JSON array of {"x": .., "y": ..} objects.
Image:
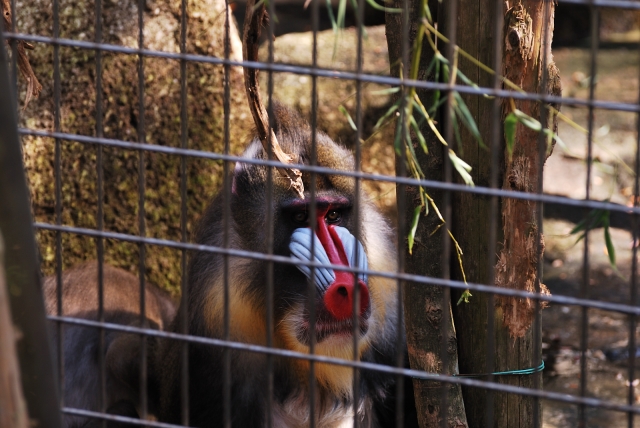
[
  {"x": 427, "y": 316},
  {"x": 528, "y": 31},
  {"x": 471, "y": 213},
  {"x": 13, "y": 409},
  {"x": 524, "y": 49}
]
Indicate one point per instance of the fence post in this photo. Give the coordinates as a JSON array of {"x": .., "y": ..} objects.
[
  {"x": 14, "y": 411},
  {"x": 22, "y": 273}
]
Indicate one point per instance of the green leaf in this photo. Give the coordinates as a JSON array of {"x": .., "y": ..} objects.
[
  {"x": 342, "y": 8},
  {"x": 387, "y": 91},
  {"x": 397, "y": 141},
  {"x": 389, "y": 112},
  {"x": 375, "y": 5},
  {"x": 456, "y": 127},
  {"x": 510, "y": 126},
  {"x": 465, "y": 297},
  {"x": 427, "y": 12},
  {"x": 528, "y": 121},
  {"x": 348, "y": 116},
  {"x": 611, "y": 251},
  {"x": 462, "y": 167},
  {"x": 414, "y": 227},
  {"x": 441, "y": 58},
  {"x": 466, "y": 80},
  {"x": 332, "y": 18},
  {"x": 416, "y": 129},
  {"x": 436, "y": 94},
  {"x": 467, "y": 118}
]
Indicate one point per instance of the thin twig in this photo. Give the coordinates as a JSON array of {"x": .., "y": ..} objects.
[
  {"x": 33, "y": 86},
  {"x": 254, "y": 18}
]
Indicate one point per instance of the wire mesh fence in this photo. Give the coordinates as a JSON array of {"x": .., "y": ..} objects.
[{"x": 188, "y": 284}]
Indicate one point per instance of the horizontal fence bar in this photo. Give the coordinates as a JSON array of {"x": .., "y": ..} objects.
[
  {"x": 416, "y": 374},
  {"x": 321, "y": 72},
  {"x": 620, "y": 4},
  {"x": 109, "y": 417},
  {"x": 564, "y": 300},
  {"x": 431, "y": 184}
]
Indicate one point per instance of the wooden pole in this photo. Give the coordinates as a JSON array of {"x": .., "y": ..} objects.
[{"x": 13, "y": 409}]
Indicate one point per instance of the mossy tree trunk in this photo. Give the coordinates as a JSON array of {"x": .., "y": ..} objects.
[
  {"x": 427, "y": 313},
  {"x": 120, "y": 120}
]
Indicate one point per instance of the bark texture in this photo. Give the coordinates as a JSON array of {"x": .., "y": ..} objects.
[
  {"x": 527, "y": 38},
  {"x": 13, "y": 409},
  {"x": 525, "y": 55},
  {"x": 121, "y": 119},
  {"x": 427, "y": 315},
  {"x": 471, "y": 213}
]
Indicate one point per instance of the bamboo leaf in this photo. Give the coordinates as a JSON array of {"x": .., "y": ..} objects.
[
  {"x": 348, "y": 116},
  {"x": 385, "y": 9},
  {"x": 332, "y": 18},
  {"x": 466, "y": 80},
  {"x": 456, "y": 127},
  {"x": 611, "y": 251},
  {"x": 465, "y": 297},
  {"x": 397, "y": 141},
  {"x": 462, "y": 167},
  {"x": 414, "y": 227},
  {"x": 416, "y": 129},
  {"x": 467, "y": 119},
  {"x": 436, "y": 94},
  {"x": 427, "y": 12},
  {"x": 387, "y": 91},
  {"x": 510, "y": 126},
  {"x": 342, "y": 8},
  {"x": 389, "y": 112},
  {"x": 528, "y": 121}
]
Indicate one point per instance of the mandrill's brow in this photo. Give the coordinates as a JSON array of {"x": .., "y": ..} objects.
[{"x": 321, "y": 202}]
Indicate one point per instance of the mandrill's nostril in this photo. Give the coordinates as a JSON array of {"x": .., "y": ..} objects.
[{"x": 338, "y": 299}]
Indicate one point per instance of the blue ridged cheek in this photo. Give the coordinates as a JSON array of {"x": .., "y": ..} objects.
[{"x": 300, "y": 247}]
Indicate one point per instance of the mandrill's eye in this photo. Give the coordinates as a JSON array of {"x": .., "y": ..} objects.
[
  {"x": 333, "y": 217},
  {"x": 300, "y": 217}
]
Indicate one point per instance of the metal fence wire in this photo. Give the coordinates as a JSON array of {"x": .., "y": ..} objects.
[{"x": 167, "y": 310}]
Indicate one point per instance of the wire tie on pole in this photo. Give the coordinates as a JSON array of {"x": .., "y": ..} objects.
[{"x": 529, "y": 371}]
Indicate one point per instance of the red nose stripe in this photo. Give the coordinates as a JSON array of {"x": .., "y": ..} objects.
[{"x": 338, "y": 298}]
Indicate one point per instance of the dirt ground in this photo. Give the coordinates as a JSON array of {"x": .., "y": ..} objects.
[{"x": 614, "y": 149}]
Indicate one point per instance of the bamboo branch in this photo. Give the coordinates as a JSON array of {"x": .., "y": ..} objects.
[{"x": 254, "y": 18}]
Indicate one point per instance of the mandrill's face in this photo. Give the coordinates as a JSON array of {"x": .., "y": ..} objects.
[{"x": 338, "y": 292}]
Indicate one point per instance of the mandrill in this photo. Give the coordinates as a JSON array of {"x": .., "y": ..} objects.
[{"x": 335, "y": 243}]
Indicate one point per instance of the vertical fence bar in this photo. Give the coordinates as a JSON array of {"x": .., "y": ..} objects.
[
  {"x": 22, "y": 271},
  {"x": 226, "y": 223},
  {"x": 58, "y": 193},
  {"x": 542, "y": 151},
  {"x": 269, "y": 220},
  {"x": 359, "y": 11},
  {"x": 633, "y": 294},
  {"x": 495, "y": 148},
  {"x": 311, "y": 291},
  {"x": 401, "y": 203},
  {"x": 451, "y": 29},
  {"x": 100, "y": 212},
  {"x": 184, "y": 297},
  {"x": 142, "y": 213},
  {"x": 184, "y": 281},
  {"x": 584, "y": 290}
]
